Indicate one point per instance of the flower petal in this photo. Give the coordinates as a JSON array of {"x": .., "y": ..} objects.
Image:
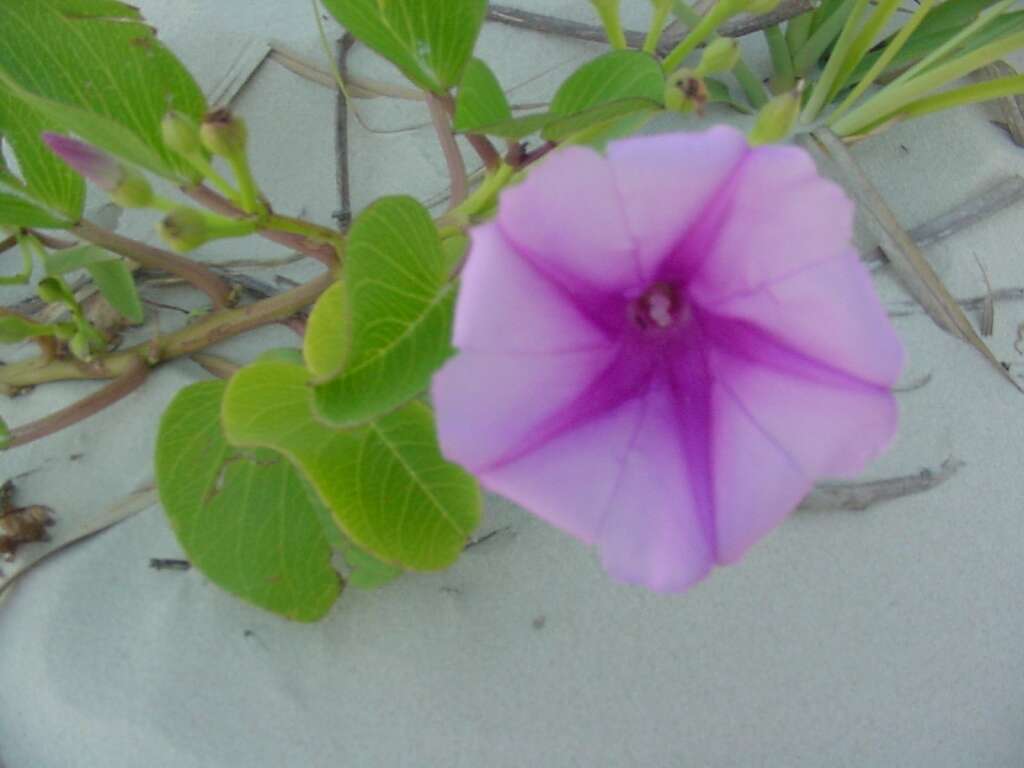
[
  {"x": 657, "y": 530},
  {"x": 827, "y": 312},
  {"x": 506, "y": 305},
  {"x": 782, "y": 217},
  {"x": 490, "y": 405},
  {"x": 775, "y": 434},
  {"x": 666, "y": 181},
  {"x": 620, "y": 480},
  {"x": 567, "y": 219}
]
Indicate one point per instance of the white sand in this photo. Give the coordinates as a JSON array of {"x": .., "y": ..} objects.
[{"x": 885, "y": 638}]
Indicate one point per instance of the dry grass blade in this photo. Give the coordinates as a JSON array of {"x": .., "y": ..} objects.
[
  {"x": 1011, "y": 106},
  {"x": 990, "y": 202},
  {"x": 249, "y": 59},
  {"x": 988, "y": 307},
  {"x": 359, "y": 87},
  {"x": 856, "y": 497},
  {"x": 973, "y": 304},
  {"x": 906, "y": 258}
]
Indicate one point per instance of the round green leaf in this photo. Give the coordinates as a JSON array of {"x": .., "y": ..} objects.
[
  {"x": 386, "y": 483},
  {"x": 327, "y": 338},
  {"x": 400, "y": 304},
  {"x": 245, "y": 519}
]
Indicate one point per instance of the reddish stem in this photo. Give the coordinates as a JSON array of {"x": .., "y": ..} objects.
[{"x": 118, "y": 389}]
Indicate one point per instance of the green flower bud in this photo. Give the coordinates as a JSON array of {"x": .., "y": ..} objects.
[
  {"x": 685, "y": 92},
  {"x": 51, "y": 291},
  {"x": 184, "y": 229},
  {"x": 721, "y": 55},
  {"x": 776, "y": 120},
  {"x": 80, "y": 348},
  {"x": 224, "y": 134},
  {"x": 133, "y": 190},
  {"x": 180, "y": 134}
]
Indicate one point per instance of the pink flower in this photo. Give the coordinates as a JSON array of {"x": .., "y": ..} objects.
[
  {"x": 661, "y": 350},
  {"x": 101, "y": 169}
]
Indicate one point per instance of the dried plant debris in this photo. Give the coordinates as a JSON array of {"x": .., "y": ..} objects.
[
  {"x": 169, "y": 564},
  {"x": 1012, "y": 106},
  {"x": 988, "y": 307},
  {"x": 971, "y": 304},
  {"x": 20, "y": 525},
  {"x": 856, "y": 497},
  {"x": 996, "y": 198}
]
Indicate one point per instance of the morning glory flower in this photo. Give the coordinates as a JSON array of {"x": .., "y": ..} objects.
[{"x": 660, "y": 349}]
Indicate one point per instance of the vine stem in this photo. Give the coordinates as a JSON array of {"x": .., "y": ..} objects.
[
  {"x": 133, "y": 377},
  {"x": 150, "y": 257},
  {"x": 323, "y": 252},
  {"x": 211, "y": 330},
  {"x": 483, "y": 147},
  {"x": 452, "y": 155}
]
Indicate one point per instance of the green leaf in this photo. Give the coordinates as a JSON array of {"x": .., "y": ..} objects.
[
  {"x": 605, "y": 89},
  {"x": 289, "y": 355},
  {"x": 430, "y": 41},
  {"x": 115, "y": 282},
  {"x": 245, "y": 519},
  {"x": 109, "y": 272},
  {"x": 17, "y": 211},
  {"x": 15, "y": 329},
  {"x": 518, "y": 127},
  {"x": 940, "y": 25},
  {"x": 611, "y": 77},
  {"x": 69, "y": 259},
  {"x": 481, "y": 100},
  {"x": 366, "y": 571},
  {"x": 90, "y": 67},
  {"x": 400, "y": 307},
  {"x": 327, "y": 338},
  {"x": 386, "y": 483},
  {"x": 48, "y": 179},
  {"x": 455, "y": 250},
  {"x": 597, "y": 117},
  {"x": 5, "y": 435}
]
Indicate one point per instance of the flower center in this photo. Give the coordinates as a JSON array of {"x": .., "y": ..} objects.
[{"x": 659, "y": 308}]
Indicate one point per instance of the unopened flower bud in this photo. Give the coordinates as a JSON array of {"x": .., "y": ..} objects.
[
  {"x": 126, "y": 187},
  {"x": 184, "y": 229},
  {"x": 776, "y": 119},
  {"x": 134, "y": 190},
  {"x": 180, "y": 134},
  {"x": 721, "y": 55},
  {"x": 685, "y": 92},
  {"x": 51, "y": 291},
  {"x": 224, "y": 134},
  {"x": 80, "y": 347}
]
